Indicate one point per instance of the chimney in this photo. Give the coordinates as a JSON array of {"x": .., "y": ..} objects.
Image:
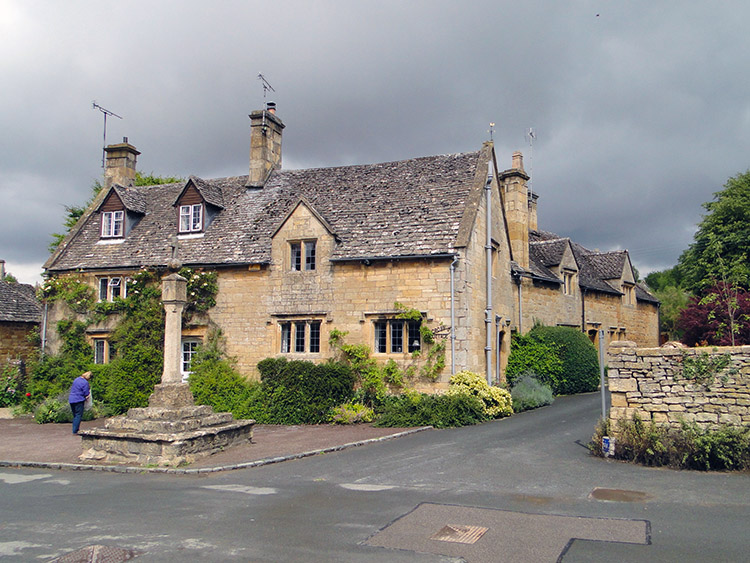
[
  {"x": 2, "y": 270},
  {"x": 120, "y": 167},
  {"x": 518, "y": 209},
  {"x": 265, "y": 145}
]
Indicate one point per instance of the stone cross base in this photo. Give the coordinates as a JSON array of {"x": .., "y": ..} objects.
[{"x": 164, "y": 435}]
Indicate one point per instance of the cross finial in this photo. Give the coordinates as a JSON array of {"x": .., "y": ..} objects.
[{"x": 174, "y": 263}]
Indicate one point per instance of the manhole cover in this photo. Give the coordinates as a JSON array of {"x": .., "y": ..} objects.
[
  {"x": 459, "y": 534},
  {"x": 98, "y": 554},
  {"x": 619, "y": 495}
]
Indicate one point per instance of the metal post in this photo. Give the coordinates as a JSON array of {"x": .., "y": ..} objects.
[{"x": 601, "y": 373}]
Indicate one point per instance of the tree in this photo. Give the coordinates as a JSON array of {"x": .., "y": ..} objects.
[
  {"x": 721, "y": 317},
  {"x": 723, "y": 232}
]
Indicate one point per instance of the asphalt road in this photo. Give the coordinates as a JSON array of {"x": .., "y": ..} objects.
[{"x": 518, "y": 489}]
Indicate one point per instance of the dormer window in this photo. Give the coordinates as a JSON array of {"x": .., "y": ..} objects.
[
  {"x": 191, "y": 218},
  {"x": 112, "y": 222}
]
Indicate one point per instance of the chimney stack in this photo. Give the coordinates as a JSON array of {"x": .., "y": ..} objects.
[
  {"x": 121, "y": 162},
  {"x": 265, "y": 145},
  {"x": 518, "y": 209},
  {"x": 2, "y": 270}
]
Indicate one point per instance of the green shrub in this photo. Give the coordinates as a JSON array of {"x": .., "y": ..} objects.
[
  {"x": 529, "y": 393},
  {"x": 300, "y": 392},
  {"x": 580, "y": 372},
  {"x": 439, "y": 411},
  {"x": 686, "y": 447},
  {"x": 351, "y": 413},
  {"x": 57, "y": 410},
  {"x": 496, "y": 402},
  {"x": 530, "y": 354},
  {"x": 11, "y": 386}
]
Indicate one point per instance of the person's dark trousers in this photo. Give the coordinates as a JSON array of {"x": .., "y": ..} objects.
[{"x": 77, "y": 409}]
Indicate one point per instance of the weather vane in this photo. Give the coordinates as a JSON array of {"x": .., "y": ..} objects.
[{"x": 106, "y": 112}]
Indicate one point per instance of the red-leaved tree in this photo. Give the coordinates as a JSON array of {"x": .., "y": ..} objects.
[{"x": 720, "y": 317}]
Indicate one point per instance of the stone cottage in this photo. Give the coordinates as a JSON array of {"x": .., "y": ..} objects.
[
  {"x": 20, "y": 315},
  {"x": 300, "y": 253}
]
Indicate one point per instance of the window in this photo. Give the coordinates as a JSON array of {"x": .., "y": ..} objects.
[
  {"x": 286, "y": 335},
  {"x": 568, "y": 282},
  {"x": 100, "y": 351},
  {"x": 299, "y": 337},
  {"x": 112, "y": 288},
  {"x": 310, "y": 255},
  {"x": 297, "y": 249},
  {"x": 315, "y": 337},
  {"x": 381, "y": 334},
  {"x": 389, "y": 336},
  {"x": 628, "y": 290},
  {"x": 397, "y": 337},
  {"x": 112, "y": 223},
  {"x": 415, "y": 337},
  {"x": 191, "y": 218},
  {"x": 189, "y": 347},
  {"x": 296, "y": 256}
]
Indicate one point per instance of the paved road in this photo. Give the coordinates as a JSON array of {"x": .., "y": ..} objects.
[{"x": 521, "y": 485}]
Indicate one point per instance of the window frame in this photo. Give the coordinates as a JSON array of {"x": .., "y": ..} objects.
[
  {"x": 300, "y": 336},
  {"x": 106, "y": 284},
  {"x": 192, "y": 213},
  {"x": 393, "y": 336},
  {"x": 186, "y": 365},
  {"x": 100, "y": 351},
  {"x": 303, "y": 255},
  {"x": 113, "y": 224}
]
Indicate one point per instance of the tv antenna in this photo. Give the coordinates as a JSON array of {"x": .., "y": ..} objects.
[
  {"x": 105, "y": 112},
  {"x": 266, "y": 85},
  {"x": 531, "y": 136}
]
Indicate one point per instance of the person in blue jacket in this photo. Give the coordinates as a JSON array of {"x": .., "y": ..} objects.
[{"x": 79, "y": 392}]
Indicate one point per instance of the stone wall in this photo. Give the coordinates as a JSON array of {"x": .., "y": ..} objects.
[
  {"x": 651, "y": 382},
  {"x": 14, "y": 340}
]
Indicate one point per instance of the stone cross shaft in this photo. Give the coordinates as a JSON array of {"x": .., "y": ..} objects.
[{"x": 174, "y": 297}]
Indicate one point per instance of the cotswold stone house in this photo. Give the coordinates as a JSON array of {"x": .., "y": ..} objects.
[
  {"x": 20, "y": 315},
  {"x": 299, "y": 253}
]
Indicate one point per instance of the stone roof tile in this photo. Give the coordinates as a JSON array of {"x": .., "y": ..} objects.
[{"x": 18, "y": 303}]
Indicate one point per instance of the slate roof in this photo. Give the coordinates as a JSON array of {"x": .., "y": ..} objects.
[
  {"x": 18, "y": 303},
  {"x": 595, "y": 269},
  {"x": 406, "y": 208}
]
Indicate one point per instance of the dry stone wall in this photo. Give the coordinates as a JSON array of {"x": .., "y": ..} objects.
[{"x": 654, "y": 383}]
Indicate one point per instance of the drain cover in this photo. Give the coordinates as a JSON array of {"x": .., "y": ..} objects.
[
  {"x": 459, "y": 534},
  {"x": 98, "y": 554}
]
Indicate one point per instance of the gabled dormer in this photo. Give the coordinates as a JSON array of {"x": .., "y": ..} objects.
[
  {"x": 120, "y": 210},
  {"x": 197, "y": 205},
  {"x": 303, "y": 237}
]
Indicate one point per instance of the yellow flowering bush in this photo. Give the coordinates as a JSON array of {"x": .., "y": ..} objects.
[{"x": 497, "y": 402}]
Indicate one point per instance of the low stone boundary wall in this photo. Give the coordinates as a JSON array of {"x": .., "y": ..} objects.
[{"x": 668, "y": 385}]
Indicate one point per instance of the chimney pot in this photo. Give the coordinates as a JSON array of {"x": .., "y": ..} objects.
[{"x": 271, "y": 107}]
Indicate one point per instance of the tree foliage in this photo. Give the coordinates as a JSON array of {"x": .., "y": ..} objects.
[
  {"x": 720, "y": 317},
  {"x": 723, "y": 233}
]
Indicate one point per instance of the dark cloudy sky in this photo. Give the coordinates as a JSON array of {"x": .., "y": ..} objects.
[{"x": 640, "y": 108}]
